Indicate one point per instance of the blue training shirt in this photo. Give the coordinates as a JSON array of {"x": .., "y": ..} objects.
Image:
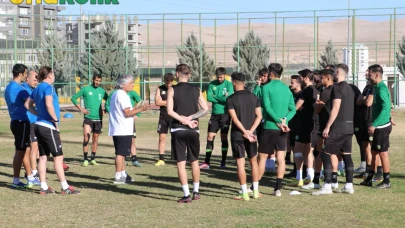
[
  {"x": 15, "y": 96},
  {"x": 38, "y": 95},
  {"x": 32, "y": 118}
]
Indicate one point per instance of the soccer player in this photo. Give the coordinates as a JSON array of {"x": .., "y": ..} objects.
[
  {"x": 380, "y": 128},
  {"x": 245, "y": 111},
  {"x": 305, "y": 127},
  {"x": 164, "y": 118},
  {"x": 318, "y": 86},
  {"x": 338, "y": 132},
  {"x": 322, "y": 108},
  {"x": 30, "y": 84},
  {"x": 357, "y": 122},
  {"x": 183, "y": 101},
  {"x": 120, "y": 126},
  {"x": 279, "y": 108},
  {"x": 135, "y": 101},
  {"x": 93, "y": 115},
  {"x": 264, "y": 79},
  {"x": 365, "y": 102},
  {"x": 218, "y": 92},
  {"x": 15, "y": 96},
  {"x": 47, "y": 130},
  {"x": 296, "y": 89}
]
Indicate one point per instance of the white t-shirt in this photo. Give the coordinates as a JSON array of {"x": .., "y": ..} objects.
[{"x": 119, "y": 124}]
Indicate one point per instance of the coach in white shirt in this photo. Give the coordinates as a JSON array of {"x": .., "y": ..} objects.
[{"x": 121, "y": 125}]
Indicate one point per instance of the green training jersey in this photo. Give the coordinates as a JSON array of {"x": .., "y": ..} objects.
[
  {"x": 217, "y": 95},
  {"x": 258, "y": 92},
  {"x": 381, "y": 108},
  {"x": 278, "y": 102},
  {"x": 134, "y": 97},
  {"x": 93, "y": 97}
]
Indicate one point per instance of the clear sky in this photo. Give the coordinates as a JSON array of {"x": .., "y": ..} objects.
[{"x": 204, "y": 6}]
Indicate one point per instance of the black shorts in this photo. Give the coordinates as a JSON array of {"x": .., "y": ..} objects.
[
  {"x": 337, "y": 143},
  {"x": 33, "y": 137},
  {"x": 21, "y": 132},
  {"x": 273, "y": 140},
  {"x": 219, "y": 121},
  {"x": 95, "y": 125},
  {"x": 381, "y": 139},
  {"x": 240, "y": 146},
  {"x": 304, "y": 131},
  {"x": 163, "y": 125},
  {"x": 122, "y": 145},
  {"x": 259, "y": 130},
  {"x": 291, "y": 138},
  {"x": 185, "y": 145},
  {"x": 48, "y": 141}
]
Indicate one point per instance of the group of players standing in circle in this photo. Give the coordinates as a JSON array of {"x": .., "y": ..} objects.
[{"x": 315, "y": 118}]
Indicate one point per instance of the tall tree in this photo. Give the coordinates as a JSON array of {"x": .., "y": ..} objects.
[
  {"x": 401, "y": 57},
  {"x": 329, "y": 56},
  {"x": 190, "y": 54},
  {"x": 108, "y": 56},
  {"x": 253, "y": 56},
  {"x": 54, "y": 53}
]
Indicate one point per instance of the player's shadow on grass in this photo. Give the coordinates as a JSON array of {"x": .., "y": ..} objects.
[
  {"x": 9, "y": 175},
  {"x": 397, "y": 175},
  {"x": 6, "y": 165},
  {"x": 117, "y": 189},
  {"x": 207, "y": 187}
]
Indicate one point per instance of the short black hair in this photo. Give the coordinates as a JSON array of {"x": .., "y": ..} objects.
[
  {"x": 328, "y": 72},
  {"x": 183, "y": 69},
  {"x": 316, "y": 72},
  {"x": 168, "y": 77},
  {"x": 298, "y": 79},
  {"x": 19, "y": 69},
  {"x": 343, "y": 67},
  {"x": 306, "y": 74},
  {"x": 97, "y": 76},
  {"x": 263, "y": 71},
  {"x": 276, "y": 68},
  {"x": 236, "y": 76},
  {"x": 220, "y": 71},
  {"x": 331, "y": 66},
  {"x": 376, "y": 68}
]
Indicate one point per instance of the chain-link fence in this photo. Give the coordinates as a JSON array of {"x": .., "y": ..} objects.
[{"x": 78, "y": 46}]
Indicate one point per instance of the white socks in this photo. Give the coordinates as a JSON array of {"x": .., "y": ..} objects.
[
  {"x": 117, "y": 175},
  {"x": 349, "y": 186},
  {"x": 196, "y": 187},
  {"x": 255, "y": 186},
  {"x": 44, "y": 186},
  {"x": 186, "y": 190},
  {"x": 244, "y": 188},
  {"x": 31, "y": 177},
  {"x": 124, "y": 173},
  {"x": 363, "y": 164},
  {"x": 34, "y": 172},
  {"x": 310, "y": 173},
  {"x": 64, "y": 185}
]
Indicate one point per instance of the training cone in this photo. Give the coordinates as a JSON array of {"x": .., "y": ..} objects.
[
  {"x": 68, "y": 115},
  {"x": 294, "y": 193}
]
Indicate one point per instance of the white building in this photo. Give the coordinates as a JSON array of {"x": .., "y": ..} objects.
[{"x": 361, "y": 60}]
